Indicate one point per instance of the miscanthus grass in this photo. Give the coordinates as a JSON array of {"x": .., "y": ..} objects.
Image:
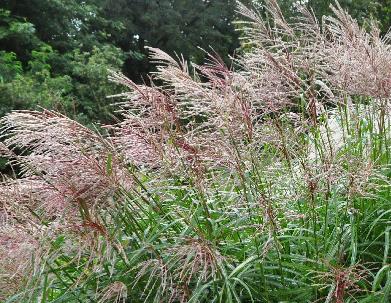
[{"x": 265, "y": 182}]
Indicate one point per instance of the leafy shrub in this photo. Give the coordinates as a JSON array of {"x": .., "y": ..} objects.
[
  {"x": 9, "y": 66},
  {"x": 81, "y": 93}
]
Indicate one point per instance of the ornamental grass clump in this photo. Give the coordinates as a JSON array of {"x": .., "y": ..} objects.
[{"x": 267, "y": 181}]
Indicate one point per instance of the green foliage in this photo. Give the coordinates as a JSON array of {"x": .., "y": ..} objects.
[
  {"x": 90, "y": 70},
  {"x": 57, "y": 61},
  {"x": 13, "y": 26},
  {"x": 9, "y": 66},
  {"x": 83, "y": 91},
  {"x": 35, "y": 87},
  {"x": 29, "y": 92}
]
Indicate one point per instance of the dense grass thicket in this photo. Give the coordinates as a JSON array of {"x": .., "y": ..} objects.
[{"x": 268, "y": 181}]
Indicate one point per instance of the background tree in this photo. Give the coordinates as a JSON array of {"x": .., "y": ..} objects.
[
  {"x": 51, "y": 51},
  {"x": 176, "y": 26}
]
